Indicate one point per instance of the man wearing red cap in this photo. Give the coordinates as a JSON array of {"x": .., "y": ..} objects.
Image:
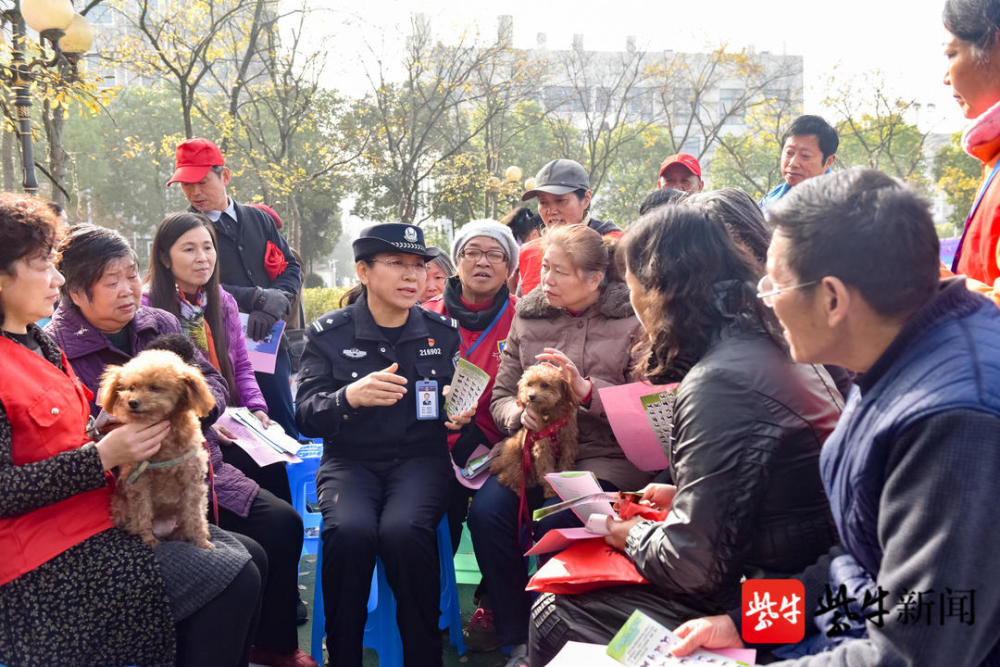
[
  {"x": 681, "y": 172},
  {"x": 256, "y": 265}
]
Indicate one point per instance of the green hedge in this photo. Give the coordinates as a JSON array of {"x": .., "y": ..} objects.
[{"x": 319, "y": 300}]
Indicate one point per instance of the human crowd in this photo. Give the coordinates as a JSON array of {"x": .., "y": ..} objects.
[{"x": 837, "y": 401}]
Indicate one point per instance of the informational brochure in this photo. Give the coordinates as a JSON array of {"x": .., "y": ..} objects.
[
  {"x": 467, "y": 386},
  {"x": 578, "y": 654},
  {"x": 642, "y": 418},
  {"x": 263, "y": 353},
  {"x": 582, "y": 494},
  {"x": 558, "y": 539},
  {"x": 642, "y": 642},
  {"x": 577, "y": 483},
  {"x": 265, "y": 446}
]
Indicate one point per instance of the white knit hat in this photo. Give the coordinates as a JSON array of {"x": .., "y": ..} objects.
[{"x": 492, "y": 229}]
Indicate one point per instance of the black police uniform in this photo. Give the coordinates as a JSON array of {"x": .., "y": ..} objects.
[{"x": 385, "y": 476}]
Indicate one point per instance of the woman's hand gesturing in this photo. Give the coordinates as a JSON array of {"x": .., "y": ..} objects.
[{"x": 382, "y": 387}]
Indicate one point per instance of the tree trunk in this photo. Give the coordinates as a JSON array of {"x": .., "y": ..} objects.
[{"x": 54, "y": 120}]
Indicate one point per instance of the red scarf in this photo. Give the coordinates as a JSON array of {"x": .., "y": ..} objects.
[{"x": 531, "y": 437}]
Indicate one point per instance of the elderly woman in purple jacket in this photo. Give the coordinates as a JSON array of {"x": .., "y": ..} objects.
[
  {"x": 183, "y": 279},
  {"x": 101, "y": 322}
]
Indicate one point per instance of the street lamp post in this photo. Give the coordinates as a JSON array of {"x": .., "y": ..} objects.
[{"x": 68, "y": 34}]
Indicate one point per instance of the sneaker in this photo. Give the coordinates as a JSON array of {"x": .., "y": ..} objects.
[
  {"x": 272, "y": 659},
  {"x": 481, "y": 633}
]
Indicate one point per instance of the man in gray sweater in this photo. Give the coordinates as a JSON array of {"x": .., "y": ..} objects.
[{"x": 911, "y": 469}]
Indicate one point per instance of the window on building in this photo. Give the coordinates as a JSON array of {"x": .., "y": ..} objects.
[
  {"x": 682, "y": 107},
  {"x": 691, "y": 146},
  {"x": 640, "y": 103},
  {"x": 602, "y": 98},
  {"x": 731, "y": 106}
]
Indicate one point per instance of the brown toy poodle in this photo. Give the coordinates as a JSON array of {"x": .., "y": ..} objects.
[
  {"x": 168, "y": 489},
  {"x": 553, "y": 449}
]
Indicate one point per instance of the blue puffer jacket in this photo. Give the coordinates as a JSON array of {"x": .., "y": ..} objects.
[{"x": 911, "y": 474}]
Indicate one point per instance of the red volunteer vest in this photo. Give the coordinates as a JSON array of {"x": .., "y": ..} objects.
[{"x": 47, "y": 410}]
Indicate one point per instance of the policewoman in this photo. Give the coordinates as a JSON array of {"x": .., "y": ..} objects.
[{"x": 372, "y": 384}]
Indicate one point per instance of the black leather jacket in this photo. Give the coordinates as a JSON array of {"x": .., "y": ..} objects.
[{"x": 748, "y": 427}]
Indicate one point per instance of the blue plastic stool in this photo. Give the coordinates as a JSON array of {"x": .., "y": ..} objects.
[
  {"x": 302, "y": 480},
  {"x": 381, "y": 630}
]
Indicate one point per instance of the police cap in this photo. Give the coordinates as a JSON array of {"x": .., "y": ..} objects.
[{"x": 391, "y": 237}]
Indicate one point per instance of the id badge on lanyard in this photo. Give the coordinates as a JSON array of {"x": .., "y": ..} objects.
[{"x": 427, "y": 399}]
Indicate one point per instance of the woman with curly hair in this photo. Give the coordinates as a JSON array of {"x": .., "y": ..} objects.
[
  {"x": 74, "y": 589},
  {"x": 748, "y": 424}
]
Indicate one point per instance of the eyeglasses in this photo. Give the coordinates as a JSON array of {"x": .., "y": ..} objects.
[
  {"x": 492, "y": 256},
  {"x": 403, "y": 267},
  {"x": 766, "y": 291}
]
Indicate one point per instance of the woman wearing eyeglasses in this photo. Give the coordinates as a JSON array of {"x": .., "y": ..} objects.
[
  {"x": 748, "y": 424},
  {"x": 485, "y": 253},
  {"x": 372, "y": 384}
]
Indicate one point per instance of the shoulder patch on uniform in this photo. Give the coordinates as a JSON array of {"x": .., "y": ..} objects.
[
  {"x": 441, "y": 319},
  {"x": 330, "y": 321}
]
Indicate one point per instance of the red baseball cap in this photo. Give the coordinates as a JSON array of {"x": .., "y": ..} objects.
[
  {"x": 689, "y": 161},
  {"x": 194, "y": 158}
]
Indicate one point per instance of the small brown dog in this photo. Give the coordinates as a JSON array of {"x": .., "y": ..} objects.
[
  {"x": 170, "y": 487},
  {"x": 543, "y": 387}
]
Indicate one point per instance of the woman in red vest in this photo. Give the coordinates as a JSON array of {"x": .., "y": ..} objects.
[
  {"x": 73, "y": 588},
  {"x": 972, "y": 49}
]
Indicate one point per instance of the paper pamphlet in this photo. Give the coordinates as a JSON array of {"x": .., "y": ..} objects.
[
  {"x": 477, "y": 470},
  {"x": 642, "y": 416},
  {"x": 558, "y": 539},
  {"x": 467, "y": 385},
  {"x": 574, "y": 484},
  {"x": 263, "y": 353},
  {"x": 265, "y": 446},
  {"x": 642, "y": 642},
  {"x": 548, "y": 510},
  {"x": 577, "y": 654}
]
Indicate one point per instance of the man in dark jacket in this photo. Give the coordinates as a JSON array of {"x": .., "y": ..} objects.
[
  {"x": 911, "y": 469},
  {"x": 256, "y": 265}
]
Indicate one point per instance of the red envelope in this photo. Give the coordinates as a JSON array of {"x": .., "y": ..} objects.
[
  {"x": 274, "y": 260},
  {"x": 583, "y": 567}
]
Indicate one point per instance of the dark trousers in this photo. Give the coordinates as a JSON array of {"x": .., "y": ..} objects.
[
  {"x": 389, "y": 509},
  {"x": 220, "y": 633},
  {"x": 277, "y": 527},
  {"x": 278, "y": 392},
  {"x": 499, "y": 553},
  {"x": 458, "y": 510},
  {"x": 596, "y": 616}
]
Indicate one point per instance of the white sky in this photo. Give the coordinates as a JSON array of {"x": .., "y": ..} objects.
[{"x": 902, "y": 39}]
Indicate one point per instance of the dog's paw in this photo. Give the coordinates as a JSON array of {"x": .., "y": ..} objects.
[
  {"x": 204, "y": 544},
  {"x": 150, "y": 541}
]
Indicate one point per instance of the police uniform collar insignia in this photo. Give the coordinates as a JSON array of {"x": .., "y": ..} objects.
[{"x": 354, "y": 353}]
